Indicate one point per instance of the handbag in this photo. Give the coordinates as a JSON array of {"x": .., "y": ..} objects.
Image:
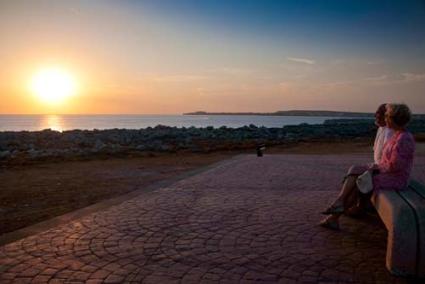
[{"x": 364, "y": 182}]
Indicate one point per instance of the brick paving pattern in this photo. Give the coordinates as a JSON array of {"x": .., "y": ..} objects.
[{"x": 248, "y": 220}]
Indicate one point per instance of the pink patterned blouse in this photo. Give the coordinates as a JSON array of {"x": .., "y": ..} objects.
[{"x": 396, "y": 162}]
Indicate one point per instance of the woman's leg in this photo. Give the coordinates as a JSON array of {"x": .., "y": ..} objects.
[
  {"x": 348, "y": 188},
  {"x": 346, "y": 198},
  {"x": 352, "y": 199}
]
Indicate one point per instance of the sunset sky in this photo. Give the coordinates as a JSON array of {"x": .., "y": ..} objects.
[{"x": 170, "y": 57}]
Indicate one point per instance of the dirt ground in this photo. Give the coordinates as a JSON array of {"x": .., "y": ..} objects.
[{"x": 33, "y": 193}]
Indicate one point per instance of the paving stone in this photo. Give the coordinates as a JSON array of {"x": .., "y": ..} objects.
[
  {"x": 41, "y": 279},
  {"x": 100, "y": 274},
  {"x": 248, "y": 220},
  {"x": 56, "y": 281},
  {"x": 113, "y": 278}
]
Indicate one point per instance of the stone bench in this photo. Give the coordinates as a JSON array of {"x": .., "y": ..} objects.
[{"x": 403, "y": 213}]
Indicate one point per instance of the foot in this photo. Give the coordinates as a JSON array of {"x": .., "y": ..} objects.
[
  {"x": 355, "y": 212},
  {"x": 330, "y": 223},
  {"x": 334, "y": 209}
]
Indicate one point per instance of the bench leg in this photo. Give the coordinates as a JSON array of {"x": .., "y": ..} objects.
[
  {"x": 401, "y": 250},
  {"x": 400, "y": 221}
]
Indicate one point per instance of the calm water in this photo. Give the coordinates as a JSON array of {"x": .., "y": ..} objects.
[{"x": 69, "y": 122}]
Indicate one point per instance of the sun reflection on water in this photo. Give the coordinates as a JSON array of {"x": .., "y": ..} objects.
[{"x": 54, "y": 122}]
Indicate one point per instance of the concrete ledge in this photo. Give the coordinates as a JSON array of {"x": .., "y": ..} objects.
[{"x": 400, "y": 221}]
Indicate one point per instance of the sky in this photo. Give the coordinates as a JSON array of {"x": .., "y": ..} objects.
[{"x": 171, "y": 57}]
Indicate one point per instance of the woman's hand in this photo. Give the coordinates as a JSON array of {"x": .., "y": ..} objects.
[
  {"x": 373, "y": 166},
  {"x": 374, "y": 169}
]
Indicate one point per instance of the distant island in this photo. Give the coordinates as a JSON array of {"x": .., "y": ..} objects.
[{"x": 326, "y": 113}]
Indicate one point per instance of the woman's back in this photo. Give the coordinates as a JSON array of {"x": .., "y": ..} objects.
[{"x": 396, "y": 162}]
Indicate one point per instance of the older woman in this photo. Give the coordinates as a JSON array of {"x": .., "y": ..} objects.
[
  {"x": 356, "y": 202},
  {"x": 353, "y": 200},
  {"x": 393, "y": 170}
]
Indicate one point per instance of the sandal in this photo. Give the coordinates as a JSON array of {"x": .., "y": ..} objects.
[
  {"x": 339, "y": 209},
  {"x": 325, "y": 223}
]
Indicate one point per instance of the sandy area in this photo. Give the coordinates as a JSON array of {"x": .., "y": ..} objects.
[{"x": 33, "y": 193}]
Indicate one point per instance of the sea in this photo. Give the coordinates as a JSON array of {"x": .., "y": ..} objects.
[{"x": 90, "y": 122}]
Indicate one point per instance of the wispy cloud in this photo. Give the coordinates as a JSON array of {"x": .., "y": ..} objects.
[
  {"x": 377, "y": 78},
  {"x": 338, "y": 83},
  {"x": 411, "y": 77},
  {"x": 301, "y": 60},
  {"x": 403, "y": 78},
  {"x": 372, "y": 62}
]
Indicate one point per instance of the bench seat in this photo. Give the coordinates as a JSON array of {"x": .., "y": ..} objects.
[{"x": 403, "y": 213}]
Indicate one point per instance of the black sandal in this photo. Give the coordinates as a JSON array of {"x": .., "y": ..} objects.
[
  {"x": 334, "y": 210},
  {"x": 329, "y": 224}
]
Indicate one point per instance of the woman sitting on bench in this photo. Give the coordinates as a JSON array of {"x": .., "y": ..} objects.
[
  {"x": 391, "y": 173},
  {"x": 357, "y": 202}
]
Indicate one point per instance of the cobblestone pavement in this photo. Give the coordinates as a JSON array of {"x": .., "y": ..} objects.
[{"x": 248, "y": 220}]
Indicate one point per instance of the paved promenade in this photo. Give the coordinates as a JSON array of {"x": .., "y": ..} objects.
[{"x": 248, "y": 220}]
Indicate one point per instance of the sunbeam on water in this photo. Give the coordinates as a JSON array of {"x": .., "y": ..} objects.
[{"x": 54, "y": 122}]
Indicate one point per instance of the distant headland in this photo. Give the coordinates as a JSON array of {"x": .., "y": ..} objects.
[{"x": 326, "y": 113}]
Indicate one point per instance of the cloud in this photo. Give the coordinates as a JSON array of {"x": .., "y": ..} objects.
[
  {"x": 377, "y": 78},
  {"x": 374, "y": 62},
  {"x": 301, "y": 60},
  {"x": 403, "y": 78},
  {"x": 411, "y": 77},
  {"x": 336, "y": 84}
]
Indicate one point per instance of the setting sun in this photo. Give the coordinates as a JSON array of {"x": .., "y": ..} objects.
[{"x": 53, "y": 85}]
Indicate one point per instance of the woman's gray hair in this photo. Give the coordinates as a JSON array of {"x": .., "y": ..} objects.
[{"x": 400, "y": 114}]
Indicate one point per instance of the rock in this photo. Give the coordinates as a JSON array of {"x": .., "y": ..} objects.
[
  {"x": 165, "y": 148},
  {"x": 49, "y": 143},
  {"x": 4, "y": 154},
  {"x": 99, "y": 145},
  {"x": 33, "y": 153},
  {"x": 141, "y": 147}
]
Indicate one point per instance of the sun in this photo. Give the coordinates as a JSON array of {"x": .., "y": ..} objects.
[{"x": 53, "y": 85}]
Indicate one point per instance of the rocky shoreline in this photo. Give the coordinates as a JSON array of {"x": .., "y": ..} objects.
[{"x": 47, "y": 144}]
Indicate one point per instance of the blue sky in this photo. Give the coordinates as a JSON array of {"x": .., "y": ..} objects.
[{"x": 357, "y": 27}]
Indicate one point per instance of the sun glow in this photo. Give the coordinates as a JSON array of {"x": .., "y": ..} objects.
[{"x": 53, "y": 85}]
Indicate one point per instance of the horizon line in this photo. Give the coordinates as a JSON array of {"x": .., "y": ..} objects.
[
  {"x": 183, "y": 113},
  {"x": 188, "y": 113}
]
